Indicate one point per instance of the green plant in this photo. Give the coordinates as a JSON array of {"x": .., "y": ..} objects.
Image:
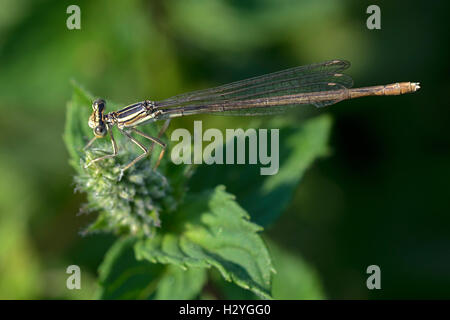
[{"x": 172, "y": 231}]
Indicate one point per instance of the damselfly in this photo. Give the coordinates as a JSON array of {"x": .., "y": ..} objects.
[{"x": 319, "y": 84}]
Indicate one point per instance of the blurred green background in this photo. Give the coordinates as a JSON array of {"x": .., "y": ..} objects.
[{"x": 381, "y": 197}]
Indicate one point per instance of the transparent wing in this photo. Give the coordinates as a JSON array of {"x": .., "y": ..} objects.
[{"x": 231, "y": 99}]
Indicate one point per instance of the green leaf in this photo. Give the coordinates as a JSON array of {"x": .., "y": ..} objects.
[
  {"x": 179, "y": 284},
  {"x": 77, "y": 131},
  {"x": 225, "y": 290},
  {"x": 295, "y": 279},
  {"x": 266, "y": 197},
  {"x": 124, "y": 277},
  {"x": 121, "y": 276},
  {"x": 213, "y": 230}
]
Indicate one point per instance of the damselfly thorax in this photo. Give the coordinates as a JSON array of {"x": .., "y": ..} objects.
[{"x": 319, "y": 84}]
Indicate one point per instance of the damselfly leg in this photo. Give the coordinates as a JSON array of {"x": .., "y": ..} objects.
[
  {"x": 161, "y": 132},
  {"x": 146, "y": 150},
  {"x": 108, "y": 156},
  {"x": 88, "y": 145},
  {"x": 143, "y": 148}
]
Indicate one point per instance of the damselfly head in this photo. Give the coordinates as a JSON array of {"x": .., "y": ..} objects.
[{"x": 96, "y": 119}]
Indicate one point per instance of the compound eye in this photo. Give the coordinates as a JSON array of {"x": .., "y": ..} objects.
[
  {"x": 100, "y": 131},
  {"x": 99, "y": 105}
]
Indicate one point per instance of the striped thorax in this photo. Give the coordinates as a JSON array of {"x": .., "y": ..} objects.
[{"x": 132, "y": 115}]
